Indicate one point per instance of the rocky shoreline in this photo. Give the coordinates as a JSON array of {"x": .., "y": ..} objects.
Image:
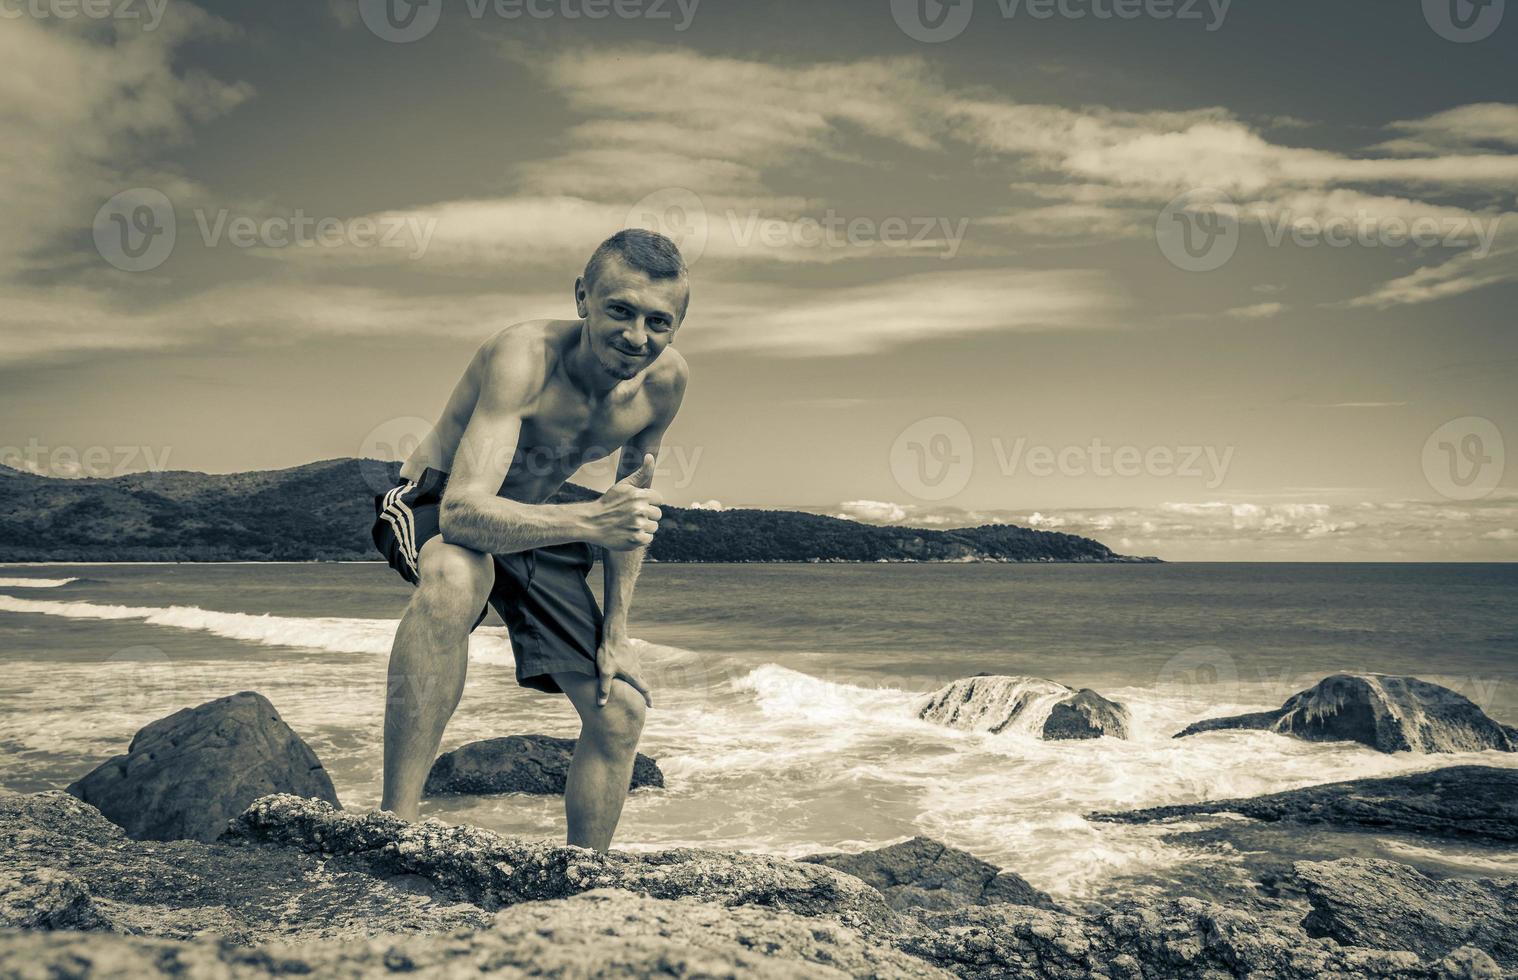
[
  {"x": 216, "y": 847},
  {"x": 297, "y": 886}
]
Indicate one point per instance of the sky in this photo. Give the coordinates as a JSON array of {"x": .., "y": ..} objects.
[{"x": 1203, "y": 280}]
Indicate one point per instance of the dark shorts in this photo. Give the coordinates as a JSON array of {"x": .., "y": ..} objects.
[{"x": 541, "y": 595}]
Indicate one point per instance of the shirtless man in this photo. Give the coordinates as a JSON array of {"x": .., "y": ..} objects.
[{"x": 469, "y": 524}]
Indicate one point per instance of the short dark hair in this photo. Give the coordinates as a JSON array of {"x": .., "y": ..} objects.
[{"x": 646, "y": 251}]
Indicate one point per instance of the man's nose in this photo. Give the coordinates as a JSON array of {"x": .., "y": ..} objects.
[{"x": 636, "y": 335}]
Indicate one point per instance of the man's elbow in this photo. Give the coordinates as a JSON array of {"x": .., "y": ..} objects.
[{"x": 455, "y": 521}]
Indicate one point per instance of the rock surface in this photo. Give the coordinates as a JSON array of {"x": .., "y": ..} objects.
[
  {"x": 601, "y": 933},
  {"x": 995, "y": 703},
  {"x": 1479, "y": 802},
  {"x": 1390, "y": 714},
  {"x": 1183, "y": 939},
  {"x": 923, "y": 873},
  {"x": 322, "y": 892},
  {"x": 518, "y": 764},
  {"x": 73, "y": 869},
  {"x": 1387, "y": 905},
  {"x": 492, "y": 871},
  {"x": 185, "y": 776},
  {"x": 1087, "y": 715}
]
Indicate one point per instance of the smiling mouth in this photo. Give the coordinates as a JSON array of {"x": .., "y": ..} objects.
[{"x": 628, "y": 353}]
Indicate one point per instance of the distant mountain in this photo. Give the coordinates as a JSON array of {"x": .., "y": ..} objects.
[{"x": 323, "y": 511}]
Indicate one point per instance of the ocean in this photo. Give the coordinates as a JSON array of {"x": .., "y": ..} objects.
[{"x": 784, "y": 695}]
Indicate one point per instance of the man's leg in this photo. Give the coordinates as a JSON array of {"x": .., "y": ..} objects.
[
  {"x": 603, "y": 761},
  {"x": 427, "y": 666}
]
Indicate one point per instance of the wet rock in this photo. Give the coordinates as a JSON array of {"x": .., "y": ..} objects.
[
  {"x": 1479, "y": 802},
  {"x": 923, "y": 873},
  {"x": 518, "y": 764},
  {"x": 1390, "y": 714},
  {"x": 185, "y": 776},
  {"x": 1087, "y": 715},
  {"x": 73, "y": 869},
  {"x": 1383, "y": 905},
  {"x": 995, "y": 703}
]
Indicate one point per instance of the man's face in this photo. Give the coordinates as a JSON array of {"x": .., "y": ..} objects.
[{"x": 630, "y": 317}]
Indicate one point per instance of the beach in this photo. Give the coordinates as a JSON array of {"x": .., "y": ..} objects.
[{"x": 785, "y": 696}]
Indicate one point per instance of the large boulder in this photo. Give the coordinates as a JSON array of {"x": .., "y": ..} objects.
[
  {"x": 1383, "y": 905},
  {"x": 518, "y": 764},
  {"x": 1390, "y": 714},
  {"x": 923, "y": 873},
  {"x": 185, "y": 776},
  {"x": 996, "y": 703},
  {"x": 1477, "y": 802}
]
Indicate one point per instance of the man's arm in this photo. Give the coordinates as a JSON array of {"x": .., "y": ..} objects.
[
  {"x": 472, "y": 515},
  {"x": 621, "y": 574}
]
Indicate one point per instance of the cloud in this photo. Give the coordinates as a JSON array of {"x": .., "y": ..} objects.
[
  {"x": 1257, "y": 530},
  {"x": 872, "y": 511},
  {"x": 1257, "y": 311},
  {"x": 906, "y": 310},
  {"x": 1462, "y": 129}
]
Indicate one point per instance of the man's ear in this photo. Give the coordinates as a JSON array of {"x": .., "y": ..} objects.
[{"x": 582, "y": 297}]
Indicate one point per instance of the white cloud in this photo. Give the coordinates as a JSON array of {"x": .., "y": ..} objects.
[
  {"x": 872, "y": 511},
  {"x": 1257, "y": 311}
]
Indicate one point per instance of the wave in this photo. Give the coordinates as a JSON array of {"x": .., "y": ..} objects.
[
  {"x": 35, "y": 583},
  {"x": 329, "y": 634}
]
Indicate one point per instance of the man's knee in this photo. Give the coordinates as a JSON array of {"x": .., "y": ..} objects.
[
  {"x": 455, "y": 583},
  {"x": 617, "y": 725}
]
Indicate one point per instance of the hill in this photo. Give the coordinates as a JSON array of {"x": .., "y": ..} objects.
[{"x": 323, "y": 511}]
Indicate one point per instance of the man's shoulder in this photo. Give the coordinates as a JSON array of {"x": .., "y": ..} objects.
[
  {"x": 670, "y": 371},
  {"x": 523, "y": 350}
]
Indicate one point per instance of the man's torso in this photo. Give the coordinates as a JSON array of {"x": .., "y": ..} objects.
[{"x": 563, "y": 427}]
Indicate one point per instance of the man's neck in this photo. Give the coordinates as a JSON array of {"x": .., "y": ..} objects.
[{"x": 584, "y": 371}]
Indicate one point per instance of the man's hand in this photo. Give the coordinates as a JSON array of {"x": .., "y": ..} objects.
[
  {"x": 628, "y": 514},
  {"x": 616, "y": 658}
]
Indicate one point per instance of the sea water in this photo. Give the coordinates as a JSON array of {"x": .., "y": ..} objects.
[{"x": 786, "y": 696}]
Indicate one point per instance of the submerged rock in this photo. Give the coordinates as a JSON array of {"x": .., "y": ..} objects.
[
  {"x": 1390, "y": 714},
  {"x": 923, "y": 873},
  {"x": 1479, "y": 802},
  {"x": 1386, "y": 905},
  {"x": 518, "y": 764},
  {"x": 185, "y": 776},
  {"x": 995, "y": 703}
]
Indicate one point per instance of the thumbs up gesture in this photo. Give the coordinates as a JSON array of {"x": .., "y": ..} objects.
[{"x": 627, "y": 515}]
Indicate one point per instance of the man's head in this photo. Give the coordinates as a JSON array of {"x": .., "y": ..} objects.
[{"x": 632, "y": 297}]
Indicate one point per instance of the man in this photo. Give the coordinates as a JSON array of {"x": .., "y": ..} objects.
[{"x": 469, "y": 524}]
